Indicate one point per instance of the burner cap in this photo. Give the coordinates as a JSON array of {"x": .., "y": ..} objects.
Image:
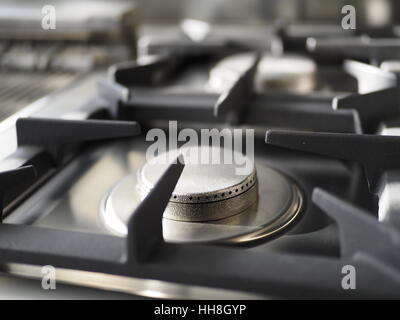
[
  {"x": 287, "y": 73},
  {"x": 391, "y": 65},
  {"x": 204, "y": 192}
]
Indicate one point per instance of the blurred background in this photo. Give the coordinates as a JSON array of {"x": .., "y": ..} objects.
[
  {"x": 373, "y": 12},
  {"x": 95, "y": 34}
]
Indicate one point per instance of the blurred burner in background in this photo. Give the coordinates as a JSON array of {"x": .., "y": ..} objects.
[{"x": 286, "y": 73}]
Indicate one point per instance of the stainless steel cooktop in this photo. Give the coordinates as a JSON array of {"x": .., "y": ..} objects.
[{"x": 80, "y": 194}]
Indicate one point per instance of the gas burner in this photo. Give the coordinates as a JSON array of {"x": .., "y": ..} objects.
[
  {"x": 210, "y": 202},
  {"x": 390, "y": 65},
  {"x": 205, "y": 192},
  {"x": 286, "y": 73}
]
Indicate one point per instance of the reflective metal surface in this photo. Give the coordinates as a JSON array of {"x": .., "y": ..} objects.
[
  {"x": 18, "y": 90},
  {"x": 136, "y": 286},
  {"x": 289, "y": 73},
  {"x": 77, "y": 21},
  {"x": 389, "y": 189}
]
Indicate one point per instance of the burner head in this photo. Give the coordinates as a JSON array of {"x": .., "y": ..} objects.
[
  {"x": 286, "y": 73},
  {"x": 391, "y": 66},
  {"x": 204, "y": 192}
]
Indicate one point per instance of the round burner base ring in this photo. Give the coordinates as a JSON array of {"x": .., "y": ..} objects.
[{"x": 280, "y": 202}]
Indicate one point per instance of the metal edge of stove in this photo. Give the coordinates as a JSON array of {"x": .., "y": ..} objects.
[
  {"x": 45, "y": 107},
  {"x": 143, "y": 288},
  {"x": 389, "y": 185}
]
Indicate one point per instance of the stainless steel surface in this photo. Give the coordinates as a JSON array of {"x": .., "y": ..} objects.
[
  {"x": 75, "y": 20},
  {"x": 18, "y": 90},
  {"x": 389, "y": 200},
  {"x": 66, "y": 101},
  {"x": 389, "y": 192},
  {"x": 369, "y": 83},
  {"x": 59, "y": 57},
  {"x": 133, "y": 286},
  {"x": 289, "y": 73},
  {"x": 245, "y": 34},
  {"x": 29, "y": 287},
  {"x": 391, "y": 65}
]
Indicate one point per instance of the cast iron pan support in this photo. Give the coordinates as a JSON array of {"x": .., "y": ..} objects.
[
  {"x": 12, "y": 179},
  {"x": 131, "y": 92},
  {"x": 382, "y": 100},
  {"x": 234, "y": 101},
  {"x": 55, "y": 134},
  {"x": 375, "y": 153},
  {"x": 144, "y": 254}
]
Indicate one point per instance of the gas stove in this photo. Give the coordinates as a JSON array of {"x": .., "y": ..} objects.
[{"x": 312, "y": 200}]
